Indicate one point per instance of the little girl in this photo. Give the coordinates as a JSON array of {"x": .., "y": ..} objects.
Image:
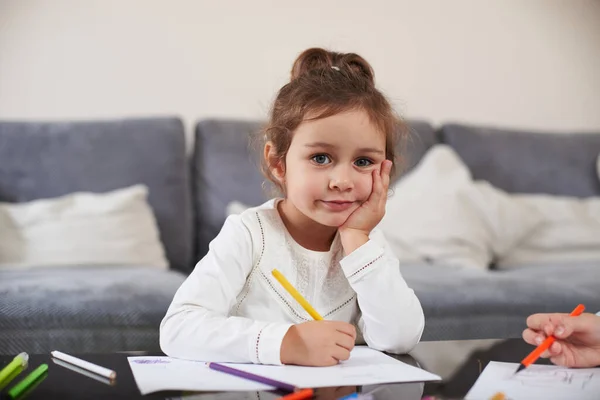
[{"x": 330, "y": 149}]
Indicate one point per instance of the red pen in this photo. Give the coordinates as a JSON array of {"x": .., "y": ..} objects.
[
  {"x": 537, "y": 352},
  {"x": 299, "y": 395}
]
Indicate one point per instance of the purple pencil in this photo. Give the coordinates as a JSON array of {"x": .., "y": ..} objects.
[{"x": 253, "y": 377}]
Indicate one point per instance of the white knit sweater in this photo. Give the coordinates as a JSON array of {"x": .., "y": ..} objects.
[{"x": 231, "y": 309}]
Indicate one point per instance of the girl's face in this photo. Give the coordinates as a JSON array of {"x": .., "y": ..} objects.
[{"x": 328, "y": 167}]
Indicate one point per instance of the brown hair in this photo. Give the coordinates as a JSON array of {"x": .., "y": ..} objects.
[{"x": 324, "y": 83}]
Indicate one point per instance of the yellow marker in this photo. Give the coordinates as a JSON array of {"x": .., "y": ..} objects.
[
  {"x": 498, "y": 396},
  {"x": 10, "y": 372},
  {"x": 301, "y": 300}
]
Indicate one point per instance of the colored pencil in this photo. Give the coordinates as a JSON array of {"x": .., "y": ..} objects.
[
  {"x": 252, "y": 377},
  {"x": 296, "y": 295}
]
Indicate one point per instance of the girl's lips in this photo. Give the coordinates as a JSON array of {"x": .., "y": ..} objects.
[{"x": 337, "y": 205}]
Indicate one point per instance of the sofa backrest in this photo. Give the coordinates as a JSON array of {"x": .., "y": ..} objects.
[
  {"x": 50, "y": 159},
  {"x": 518, "y": 161},
  {"x": 225, "y": 169}
]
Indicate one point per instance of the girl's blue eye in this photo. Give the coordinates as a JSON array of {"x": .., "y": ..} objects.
[
  {"x": 363, "y": 162},
  {"x": 321, "y": 159}
]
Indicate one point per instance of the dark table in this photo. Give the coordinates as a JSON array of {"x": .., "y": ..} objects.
[{"x": 62, "y": 383}]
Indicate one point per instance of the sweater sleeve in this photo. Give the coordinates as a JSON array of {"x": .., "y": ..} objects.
[
  {"x": 197, "y": 325},
  {"x": 392, "y": 318}
]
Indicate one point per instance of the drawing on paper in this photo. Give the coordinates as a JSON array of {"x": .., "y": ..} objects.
[
  {"x": 151, "y": 361},
  {"x": 557, "y": 378}
]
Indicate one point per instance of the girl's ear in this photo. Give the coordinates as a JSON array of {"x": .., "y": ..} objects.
[{"x": 276, "y": 165}]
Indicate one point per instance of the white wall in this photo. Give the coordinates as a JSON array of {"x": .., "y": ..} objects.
[{"x": 514, "y": 63}]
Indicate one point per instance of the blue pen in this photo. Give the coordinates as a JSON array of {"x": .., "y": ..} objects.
[{"x": 357, "y": 396}]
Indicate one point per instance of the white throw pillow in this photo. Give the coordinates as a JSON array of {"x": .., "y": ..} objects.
[
  {"x": 570, "y": 232},
  {"x": 508, "y": 221},
  {"x": 437, "y": 214},
  {"x": 235, "y": 208},
  {"x": 117, "y": 228}
]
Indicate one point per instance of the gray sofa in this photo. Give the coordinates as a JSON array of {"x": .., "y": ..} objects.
[
  {"x": 112, "y": 309},
  {"x": 95, "y": 309}
]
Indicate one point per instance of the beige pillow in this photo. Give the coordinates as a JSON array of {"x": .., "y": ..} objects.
[
  {"x": 570, "y": 232},
  {"x": 437, "y": 214},
  {"x": 235, "y": 208},
  {"x": 117, "y": 228}
]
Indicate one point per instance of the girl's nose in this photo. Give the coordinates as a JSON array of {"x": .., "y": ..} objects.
[
  {"x": 341, "y": 185},
  {"x": 341, "y": 181}
]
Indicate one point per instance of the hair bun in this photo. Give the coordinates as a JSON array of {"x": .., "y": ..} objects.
[{"x": 321, "y": 59}]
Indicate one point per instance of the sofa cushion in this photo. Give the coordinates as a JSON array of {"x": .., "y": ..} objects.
[
  {"x": 438, "y": 215},
  {"x": 421, "y": 137},
  {"x": 51, "y": 159},
  {"x": 529, "y": 162},
  {"x": 569, "y": 232},
  {"x": 84, "y": 310},
  {"x": 225, "y": 170},
  {"x": 81, "y": 229},
  {"x": 461, "y": 304}
]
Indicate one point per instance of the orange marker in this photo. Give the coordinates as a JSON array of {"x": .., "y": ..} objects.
[
  {"x": 537, "y": 352},
  {"x": 300, "y": 395}
]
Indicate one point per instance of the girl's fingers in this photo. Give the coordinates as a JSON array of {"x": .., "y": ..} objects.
[
  {"x": 385, "y": 174},
  {"x": 377, "y": 189},
  {"x": 385, "y": 180}
]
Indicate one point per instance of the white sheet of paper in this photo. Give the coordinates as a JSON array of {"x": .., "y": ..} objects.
[
  {"x": 365, "y": 367},
  {"x": 548, "y": 382},
  {"x": 153, "y": 374}
]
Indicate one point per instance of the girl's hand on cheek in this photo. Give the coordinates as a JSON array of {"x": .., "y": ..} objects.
[{"x": 355, "y": 231}]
